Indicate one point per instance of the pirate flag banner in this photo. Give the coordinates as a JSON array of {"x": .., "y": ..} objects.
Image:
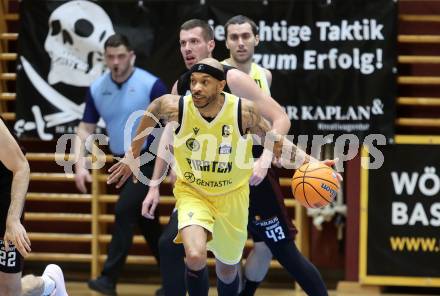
[
  {"x": 60, "y": 54},
  {"x": 61, "y": 46}
]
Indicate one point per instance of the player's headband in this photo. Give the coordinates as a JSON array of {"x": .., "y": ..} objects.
[{"x": 204, "y": 68}]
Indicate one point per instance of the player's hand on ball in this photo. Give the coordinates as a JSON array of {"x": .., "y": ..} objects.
[
  {"x": 331, "y": 163},
  {"x": 315, "y": 184}
]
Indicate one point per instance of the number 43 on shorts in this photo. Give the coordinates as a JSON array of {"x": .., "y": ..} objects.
[
  {"x": 7, "y": 258},
  {"x": 276, "y": 234}
]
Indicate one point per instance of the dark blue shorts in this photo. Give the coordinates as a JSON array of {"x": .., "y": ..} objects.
[{"x": 268, "y": 217}]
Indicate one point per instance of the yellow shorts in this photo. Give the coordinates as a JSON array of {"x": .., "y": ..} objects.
[{"x": 224, "y": 216}]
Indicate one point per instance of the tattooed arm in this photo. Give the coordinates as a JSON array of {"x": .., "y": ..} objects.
[
  {"x": 253, "y": 123},
  {"x": 242, "y": 85},
  {"x": 167, "y": 108}
]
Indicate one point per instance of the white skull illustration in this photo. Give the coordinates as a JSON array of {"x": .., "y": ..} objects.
[{"x": 75, "y": 42}]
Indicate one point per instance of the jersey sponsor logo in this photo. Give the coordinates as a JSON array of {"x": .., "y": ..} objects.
[
  {"x": 213, "y": 184},
  {"x": 196, "y": 130},
  {"x": 189, "y": 177},
  {"x": 268, "y": 222},
  {"x": 210, "y": 166},
  {"x": 226, "y": 130},
  {"x": 192, "y": 144},
  {"x": 224, "y": 149}
]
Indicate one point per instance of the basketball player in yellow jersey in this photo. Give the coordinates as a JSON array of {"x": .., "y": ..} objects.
[
  {"x": 267, "y": 210},
  {"x": 212, "y": 190},
  {"x": 241, "y": 40}
]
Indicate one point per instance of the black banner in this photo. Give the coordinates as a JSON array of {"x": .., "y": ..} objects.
[
  {"x": 404, "y": 213},
  {"x": 332, "y": 61},
  {"x": 61, "y": 54}
]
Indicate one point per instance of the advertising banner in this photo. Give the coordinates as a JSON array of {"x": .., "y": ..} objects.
[
  {"x": 332, "y": 62},
  {"x": 400, "y": 217}
]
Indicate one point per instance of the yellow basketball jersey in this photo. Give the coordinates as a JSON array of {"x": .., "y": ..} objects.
[
  {"x": 258, "y": 75},
  {"x": 213, "y": 157}
]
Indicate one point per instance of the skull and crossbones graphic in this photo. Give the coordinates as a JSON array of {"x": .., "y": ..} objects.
[{"x": 75, "y": 44}]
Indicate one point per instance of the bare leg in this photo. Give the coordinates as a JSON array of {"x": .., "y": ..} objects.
[
  {"x": 194, "y": 239},
  {"x": 226, "y": 273},
  {"x": 10, "y": 284},
  {"x": 258, "y": 262},
  {"x": 51, "y": 280},
  {"x": 32, "y": 285},
  {"x": 227, "y": 279},
  {"x": 256, "y": 267}
]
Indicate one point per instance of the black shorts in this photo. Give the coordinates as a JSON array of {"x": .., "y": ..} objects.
[
  {"x": 5, "y": 201},
  {"x": 11, "y": 261},
  {"x": 268, "y": 217}
]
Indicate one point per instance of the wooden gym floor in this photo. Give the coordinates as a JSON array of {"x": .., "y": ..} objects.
[{"x": 81, "y": 289}]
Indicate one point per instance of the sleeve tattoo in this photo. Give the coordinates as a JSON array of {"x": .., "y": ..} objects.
[
  {"x": 164, "y": 108},
  {"x": 259, "y": 128}
]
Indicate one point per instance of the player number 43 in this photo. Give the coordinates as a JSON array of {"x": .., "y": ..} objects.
[
  {"x": 276, "y": 234},
  {"x": 7, "y": 258}
]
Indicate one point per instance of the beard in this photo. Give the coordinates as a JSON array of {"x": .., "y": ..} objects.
[
  {"x": 202, "y": 105},
  {"x": 120, "y": 70}
]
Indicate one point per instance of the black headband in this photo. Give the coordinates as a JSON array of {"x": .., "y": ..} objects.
[{"x": 204, "y": 68}]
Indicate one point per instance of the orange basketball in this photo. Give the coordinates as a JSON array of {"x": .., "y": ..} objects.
[{"x": 315, "y": 185}]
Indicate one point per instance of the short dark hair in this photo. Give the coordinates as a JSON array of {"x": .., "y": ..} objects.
[
  {"x": 116, "y": 40},
  {"x": 208, "y": 33},
  {"x": 241, "y": 19}
]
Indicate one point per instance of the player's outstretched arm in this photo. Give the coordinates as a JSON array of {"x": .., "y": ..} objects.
[
  {"x": 243, "y": 86},
  {"x": 160, "y": 108},
  {"x": 254, "y": 123},
  {"x": 166, "y": 108},
  {"x": 14, "y": 160}
]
